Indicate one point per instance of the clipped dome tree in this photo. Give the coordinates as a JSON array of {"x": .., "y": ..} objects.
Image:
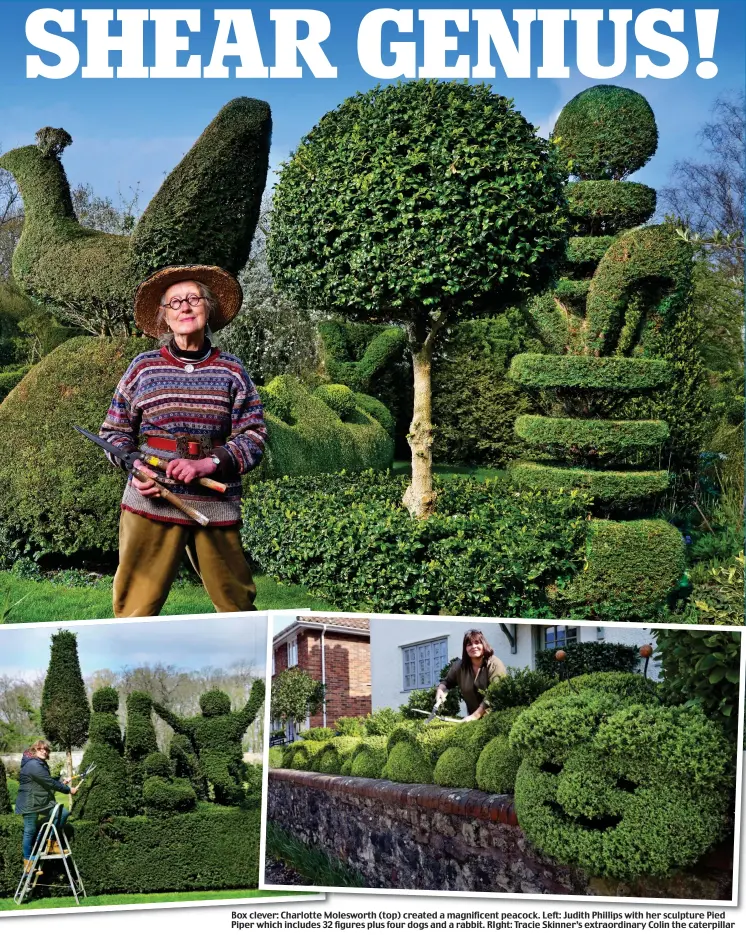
[
  {"x": 65, "y": 713},
  {"x": 418, "y": 204}
]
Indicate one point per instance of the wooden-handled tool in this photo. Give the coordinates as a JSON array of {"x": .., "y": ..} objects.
[
  {"x": 128, "y": 460},
  {"x": 163, "y": 464}
]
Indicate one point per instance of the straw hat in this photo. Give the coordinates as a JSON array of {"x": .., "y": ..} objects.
[{"x": 223, "y": 285}]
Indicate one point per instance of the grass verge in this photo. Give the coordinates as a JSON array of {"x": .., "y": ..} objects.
[
  {"x": 130, "y": 899},
  {"x": 314, "y": 865},
  {"x": 32, "y": 601}
]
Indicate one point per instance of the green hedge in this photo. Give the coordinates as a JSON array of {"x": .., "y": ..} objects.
[
  {"x": 211, "y": 848},
  {"x": 497, "y": 766},
  {"x": 4, "y": 793},
  {"x": 11, "y": 378},
  {"x": 572, "y": 293},
  {"x": 584, "y": 658},
  {"x": 307, "y": 436},
  {"x": 621, "y": 791},
  {"x": 599, "y": 208},
  {"x": 598, "y": 437},
  {"x": 517, "y": 688},
  {"x": 488, "y": 549},
  {"x": 606, "y": 132},
  {"x": 620, "y": 374},
  {"x": 584, "y": 253},
  {"x": 612, "y": 489},
  {"x": 631, "y": 569},
  {"x": 73, "y": 384},
  {"x": 632, "y": 687},
  {"x": 457, "y": 767}
]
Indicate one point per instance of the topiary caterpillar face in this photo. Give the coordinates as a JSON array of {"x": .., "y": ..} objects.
[{"x": 620, "y": 789}]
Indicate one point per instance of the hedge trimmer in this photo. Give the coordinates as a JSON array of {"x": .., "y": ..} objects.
[{"x": 432, "y": 715}]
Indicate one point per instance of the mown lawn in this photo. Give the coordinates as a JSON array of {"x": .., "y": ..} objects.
[
  {"x": 451, "y": 470},
  {"x": 43, "y": 601},
  {"x": 126, "y": 899}
]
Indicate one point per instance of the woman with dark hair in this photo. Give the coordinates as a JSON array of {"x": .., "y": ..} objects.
[
  {"x": 36, "y": 795},
  {"x": 474, "y": 672}
]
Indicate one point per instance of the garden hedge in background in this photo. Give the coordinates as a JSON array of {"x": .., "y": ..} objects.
[
  {"x": 488, "y": 549},
  {"x": 211, "y": 848}
]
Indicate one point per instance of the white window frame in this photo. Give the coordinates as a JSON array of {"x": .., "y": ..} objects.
[
  {"x": 422, "y": 663},
  {"x": 292, "y": 652},
  {"x": 568, "y": 635}
]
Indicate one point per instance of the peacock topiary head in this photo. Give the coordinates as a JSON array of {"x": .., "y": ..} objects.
[{"x": 105, "y": 700}]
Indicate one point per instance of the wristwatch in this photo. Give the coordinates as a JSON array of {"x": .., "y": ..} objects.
[{"x": 215, "y": 460}]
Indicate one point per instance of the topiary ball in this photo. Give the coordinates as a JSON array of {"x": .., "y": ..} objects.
[
  {"x": 608, "y": 132},
  {"x": 406, "y": 763},
  {"x": 456, "y": 768},
  {"x": 157, "y": 764},
  {"x": 337, "y": 397},
  {"x": 105, "y": 700},
  {"x": 497, "y": 766},
  {"x": 161, "y": 795},
  {"x": 214, "y": 703}
]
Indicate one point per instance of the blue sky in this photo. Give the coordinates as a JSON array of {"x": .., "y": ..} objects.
[
  {"x": 131, "y": 132},
  {"x": 187, "y": 644}
]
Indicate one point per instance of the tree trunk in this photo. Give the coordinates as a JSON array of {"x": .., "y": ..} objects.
[
  {"x": 419, "y": 497},
  {"x": 69, "y": 754}
]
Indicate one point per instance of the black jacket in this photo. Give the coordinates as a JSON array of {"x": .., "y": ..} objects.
[{"x": 37, "y": 787}]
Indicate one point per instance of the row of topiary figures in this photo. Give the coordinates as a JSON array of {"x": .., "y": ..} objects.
[
  {"x": 605, "y": 775},
  {"x": 204, "y": 763}
]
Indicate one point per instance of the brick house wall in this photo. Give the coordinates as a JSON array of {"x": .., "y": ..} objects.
[{"x": 347, "y": 661}]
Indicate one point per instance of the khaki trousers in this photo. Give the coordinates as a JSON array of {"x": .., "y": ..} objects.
[{"x": 151, "y": 552}]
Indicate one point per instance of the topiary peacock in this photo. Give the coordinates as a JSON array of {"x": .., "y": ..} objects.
[{"x": 205, "y": 211}]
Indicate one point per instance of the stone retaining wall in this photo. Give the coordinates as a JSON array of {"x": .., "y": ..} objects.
[{"x": 426, "y": 837}]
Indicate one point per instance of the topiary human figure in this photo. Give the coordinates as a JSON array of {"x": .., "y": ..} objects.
[
  {"x": 105, "y": 793},
  {"x": 205, "y": 212},
  {"x": 5, "y": 806},
  {"x": 161, "y": 792},
  {"x": 184, "y": 763},
  {"x": 139, "y": 742},
  {"x": 65, "y": 713},
  {"x": 600, "y": 322},
  {"x": 418, "y": 204},
  {"x": 216, "y": 737},
  {"x": 619, "y": 789}
]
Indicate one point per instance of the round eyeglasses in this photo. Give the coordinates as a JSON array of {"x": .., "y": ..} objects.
[{"x": 176, "y": 302}]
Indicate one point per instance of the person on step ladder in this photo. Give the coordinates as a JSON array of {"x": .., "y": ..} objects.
[{"x": 36, "y": 795}]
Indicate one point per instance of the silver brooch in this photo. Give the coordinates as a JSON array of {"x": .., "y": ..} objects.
[{"x": 189, "y": 367}]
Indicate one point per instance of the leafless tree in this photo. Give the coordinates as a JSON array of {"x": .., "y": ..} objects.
[{"x": 707, "y": 194}]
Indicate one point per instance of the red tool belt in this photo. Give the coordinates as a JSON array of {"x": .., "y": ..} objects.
[{"x": 185, "y": 446}]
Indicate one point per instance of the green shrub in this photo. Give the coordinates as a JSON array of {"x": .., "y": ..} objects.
[
  {"x": 369, "y": 758},
  {"x": 719, "y": 599},
  {"x": 620, "y": 374},
  {"x": 157, "y": 764},
  {"x": 633, "y": 688},
  {"x": 304, "y": 755},
  {"x": 276, "y": 757},
  {"x": 589, "y": 792},
  {"x": 11, "y": 378},
  {"x": 590, "y": 437},
  {"x": 306, "y": 435},
  {"x": 497, "y": 766},
  {"x": 375, "y": 408},
  {"x": 488, "y": 549},
  {"x": 5, "y": 805},
  {"x": 606, "y": 132},
  {"x": 332, "y": 753},
  {"x": 474, "y": 403},
  {"x": 456, "y": 767},
  {"x": 288, "y": 753},
  {"x": 517, "y": 688},
  {"x": 337, "y": 397},
  {"x": 584, "y": 253},
  {"x": 582, "y": 658},
  {"x": 406, "y": 763},
  {"x": 209, "y": 848},
  {"x": 702, "y": 667},
  {"x": 167, "y": 795},
  {"x": 184, "y": 764},
  {"x": 611, "y": 489},
  {"x": 350, "y": 726},
  {"x": 318, "y": 733},
  {"x": 381, "y": 722},
  {"x": 631, "y": 568},
  {"x": 139, "y": 742},
  {"x": 599, "y": 207},
  {"x": 355, "y": 354}
]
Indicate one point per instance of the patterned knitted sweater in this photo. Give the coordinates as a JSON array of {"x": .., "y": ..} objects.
[{"x": 165, "y": 395}]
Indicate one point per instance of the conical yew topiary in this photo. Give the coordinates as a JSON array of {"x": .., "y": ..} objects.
[{"x": 65, "y": 713}]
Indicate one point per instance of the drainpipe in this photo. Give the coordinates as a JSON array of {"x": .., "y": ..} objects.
[{"x": 323, "y": 671}]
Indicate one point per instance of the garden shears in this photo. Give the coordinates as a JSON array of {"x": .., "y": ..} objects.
[{"x": 432, "y": 715}]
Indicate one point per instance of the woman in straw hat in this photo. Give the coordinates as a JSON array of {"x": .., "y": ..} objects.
[{"x": 197, "y": 408}]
